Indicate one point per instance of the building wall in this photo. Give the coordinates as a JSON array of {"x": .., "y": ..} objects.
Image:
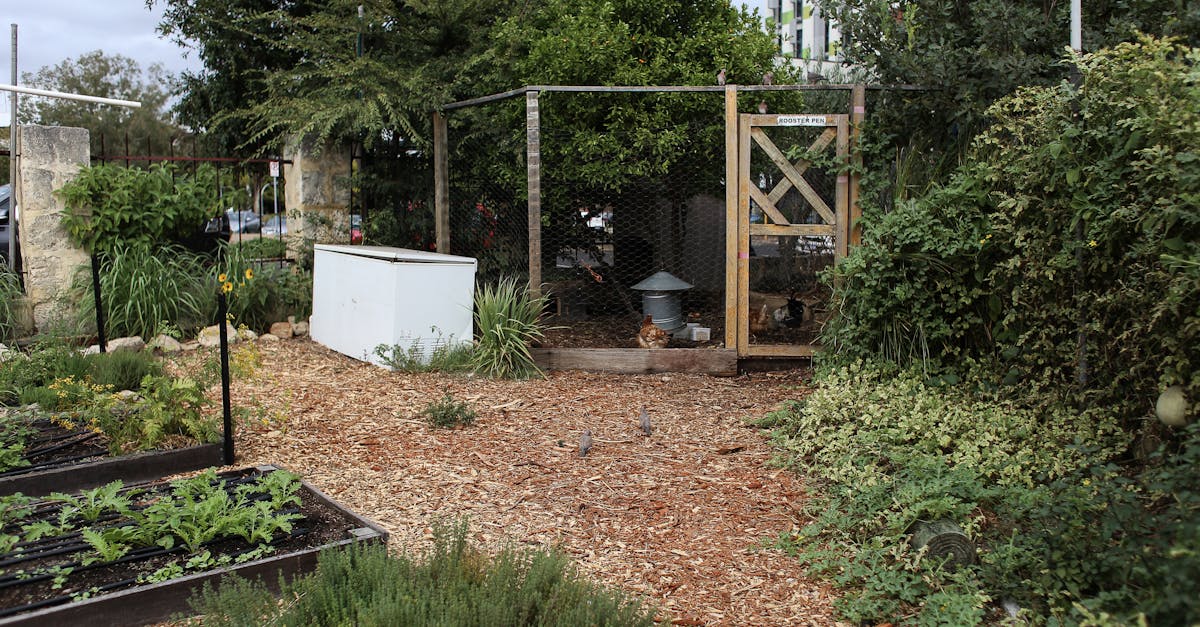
[{"x": 802, "y": 32}]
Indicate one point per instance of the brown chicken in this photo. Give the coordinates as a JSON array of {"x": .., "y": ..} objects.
[
  {"x": 650, "y": 336},
  {"x": 760, "y": 320}
]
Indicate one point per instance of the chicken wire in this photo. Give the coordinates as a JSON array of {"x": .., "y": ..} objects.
[{"x": 598, "y": 240}]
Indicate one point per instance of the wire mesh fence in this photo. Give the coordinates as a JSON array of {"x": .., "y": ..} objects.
[{"x": 623, "y": 198}]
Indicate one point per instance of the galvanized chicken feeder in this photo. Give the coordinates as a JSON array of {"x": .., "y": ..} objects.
[{"x": 661, "y": 301}]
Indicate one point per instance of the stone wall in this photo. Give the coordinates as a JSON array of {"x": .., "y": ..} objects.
[
  {"x": 50, "y": 157},
  {"x": 317, "y": 193}
]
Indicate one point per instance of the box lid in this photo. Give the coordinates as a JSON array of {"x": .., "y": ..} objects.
[{"x": 395, "y": 255}]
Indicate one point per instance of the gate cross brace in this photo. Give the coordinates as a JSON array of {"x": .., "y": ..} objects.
[{"x": 794, "y": 175}]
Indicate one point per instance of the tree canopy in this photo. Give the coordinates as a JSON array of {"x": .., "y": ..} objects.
[{"x": 109, "y": 76}]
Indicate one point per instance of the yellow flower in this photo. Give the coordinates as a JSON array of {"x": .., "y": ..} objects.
[
  {"x": 227, "y": 287},
  {"x": 249, "y": 273},
  {"x": 1093, "y": 243},
  {"x": 222, "y": 278}
]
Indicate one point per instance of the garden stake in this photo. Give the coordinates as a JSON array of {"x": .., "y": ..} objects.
[
  {"x": 99, "y": 309},
  {"x": 223, "y": 313}
]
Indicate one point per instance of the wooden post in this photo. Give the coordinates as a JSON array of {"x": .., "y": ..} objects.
[
  {"x": 533, "y": 173},
  {"x": 731, "y": 216},
  {"x": 743, "y": 237},
  {"x": 858, "y": 112},
  {"x": 842, "y": 192},
  {"x": 441, "y": 183}
]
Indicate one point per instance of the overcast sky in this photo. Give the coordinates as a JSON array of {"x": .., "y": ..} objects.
[{"x": 52, "y": 31}]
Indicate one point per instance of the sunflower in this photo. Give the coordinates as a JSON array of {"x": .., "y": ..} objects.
[
  {"x": 222, "y": 278},
  {"x": 226, "y": 287},
  {"x": 249, "y": 273}
]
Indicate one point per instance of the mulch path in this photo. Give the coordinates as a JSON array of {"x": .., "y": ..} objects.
[{"x": 678, "y": 518}]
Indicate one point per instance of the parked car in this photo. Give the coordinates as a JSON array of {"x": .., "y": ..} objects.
[
  {"x": 5, "y": 204},
  {"x": 244, "y": 221},
  {"x": 208, "y": 237},
  {"x": 275, "y": 226}
]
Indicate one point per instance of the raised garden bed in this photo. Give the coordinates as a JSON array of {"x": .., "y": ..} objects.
[
  {"x": 65, "y": 460},
  {"x": 133, "y": 556}
]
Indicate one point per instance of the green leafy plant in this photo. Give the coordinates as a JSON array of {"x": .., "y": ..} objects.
[
  {"x": 262, "y": 293},
  {"x": 143, "y": 289},
  {"x": 166, "y": 408},
  {"x": 261, "y": 248},
  {"x": 15, "y": 434},
  {"x": 1062, "y": 531},
  {"x": 449, "y": 412},
  {"x": 447, "y": 356},
  {"x": 110, "y": 207},
  {"x": 452, "y": 584},
  {"x": 1062, "y": 252},
  {"x": 508, "y": 320}
]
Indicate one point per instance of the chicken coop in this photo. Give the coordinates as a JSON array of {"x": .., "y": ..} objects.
[{"x": 712, "y": 209}]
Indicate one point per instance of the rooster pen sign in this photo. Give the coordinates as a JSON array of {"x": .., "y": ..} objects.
[{"x": 801, "y": 120}]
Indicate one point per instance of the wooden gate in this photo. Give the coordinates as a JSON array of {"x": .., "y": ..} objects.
[{"x": 791, "y": 218}]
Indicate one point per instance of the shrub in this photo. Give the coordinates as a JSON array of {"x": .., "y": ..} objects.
[
  {"x": 46, "y": 362},
  {"x": 143, "y": 290},
  {"x": 263, "y": 293},
  {"x": 508, "y": 320},
  {"x": 449, "y": 412},
  {"x": 110, "y": 206},
  {"x": 446, "y": 357},
  {"x": 261, "y": 248},
  {"x": 453, "y": 584},
  {"x": 123, "y": 370},
  {"x": 1062, "y": 531},
  {"x": 1073, "y": 217}
]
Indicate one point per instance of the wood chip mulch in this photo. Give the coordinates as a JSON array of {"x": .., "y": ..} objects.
[{"x": 678, "y": 518}]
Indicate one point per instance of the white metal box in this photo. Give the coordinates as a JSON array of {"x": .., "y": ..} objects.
[{"x": 366, "y": 296}]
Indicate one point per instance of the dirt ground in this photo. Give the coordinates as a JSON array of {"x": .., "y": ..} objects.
[{"x": 677, "y": 518}]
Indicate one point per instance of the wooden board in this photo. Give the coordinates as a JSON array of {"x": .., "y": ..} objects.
[
  {"x": 716, "y": 362},
  {"x": 132, "y": 468}
]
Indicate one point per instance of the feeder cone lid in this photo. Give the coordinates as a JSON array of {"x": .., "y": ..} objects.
[{"x": 662, "y": 282}]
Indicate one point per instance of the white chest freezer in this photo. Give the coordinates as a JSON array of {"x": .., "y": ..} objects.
[{"x": 366, "y": 296}]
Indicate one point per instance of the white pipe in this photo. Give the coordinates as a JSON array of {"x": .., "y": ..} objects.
[
  {"x": 58, "y": 94},
  {"x": 1077, "y": 25},
  {"x": 12, "y": 165}
]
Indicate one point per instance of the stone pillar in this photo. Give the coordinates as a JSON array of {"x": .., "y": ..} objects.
[
  {"x": 317, "y": 193},
  {"x": 50, "y": 157}
]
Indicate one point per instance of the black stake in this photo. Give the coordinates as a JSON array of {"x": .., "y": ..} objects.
[
  {"x": 223, "y": 313},
  {"x": 99, "y": 308}
]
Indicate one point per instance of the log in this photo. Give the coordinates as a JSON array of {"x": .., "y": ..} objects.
[{"x": 943, "y": 541}]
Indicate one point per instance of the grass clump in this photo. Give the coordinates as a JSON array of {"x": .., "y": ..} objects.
[
  {"x": 261, "y": 248},
  {"x": 508, "y": 320},
  {"x": 123, "y": 370},
  {"x": 10, "y": 293},
  {"x": 452, "y": 584},
  {"x": 449, "y": 412},
  {"x": 141, "y": 287}
]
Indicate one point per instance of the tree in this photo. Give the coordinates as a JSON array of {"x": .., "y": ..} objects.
[
  {"x": 149, "y": 128},
  {"x": 237, "y": 42},
  {"x": 969, "y": 54}
]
